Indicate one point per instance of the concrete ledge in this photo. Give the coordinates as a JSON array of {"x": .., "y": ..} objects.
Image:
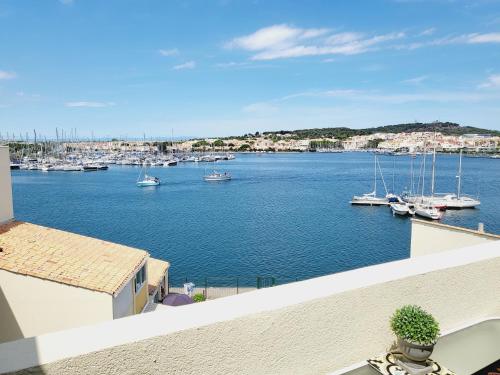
[
  {"x": 323, "y": 324},
  {"x": 435, "y": 224}
]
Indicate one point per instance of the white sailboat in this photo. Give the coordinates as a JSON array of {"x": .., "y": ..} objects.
[
  {"x": 217, "y": 176},
  {"x": 458, "y": 200},
  {"x": 426, "y": 208},
  {"x": 370, "y": 199},
  {"x": 147, "y": 180}
]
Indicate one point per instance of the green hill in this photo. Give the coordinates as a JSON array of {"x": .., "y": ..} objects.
[{"x": 448, "y": 128}]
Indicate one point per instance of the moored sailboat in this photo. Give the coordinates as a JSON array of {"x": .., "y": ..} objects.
[{"x": 371, "y": 199}]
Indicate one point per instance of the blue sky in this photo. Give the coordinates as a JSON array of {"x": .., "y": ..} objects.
[{"x": 203, "y": 68}]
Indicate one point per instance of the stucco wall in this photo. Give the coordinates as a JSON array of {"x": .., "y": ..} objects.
[
  {"x": 123, "y": 303},
  {"x": 6, "y": 210},
  {"x": 30, "y": 306},
  {"x": 430, "y": 238},
  {"x": 311, "y": 327}
]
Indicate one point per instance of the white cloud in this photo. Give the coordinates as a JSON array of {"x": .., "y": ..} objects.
[
  {"x": 231, "y": 64},
  {"x": 474, "y": 38},
  {"x": 483, "y": 38},
  {"x": 261, "y": 108},
  {"x": 283, "y": 41},
  {"x": 186, "y": 65},
  {"x": 168, "y": 52},
  {"x": 427, "y": 32},
  {"x": 274, "y": 37},
  {"x": 415, "y": 80},
  {"x": 492, "y": 82},
  {"x": 7, "y": 75},
  {"x": 376, "y": 96},
  {"x": 90, "y": 104}
]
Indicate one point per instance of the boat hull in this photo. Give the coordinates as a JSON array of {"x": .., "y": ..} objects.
[
  {"x": 216, "y": 179},
  {"x": 147, "y": 183}
]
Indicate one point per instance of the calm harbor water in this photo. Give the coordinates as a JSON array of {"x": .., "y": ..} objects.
[{"x": 282, "y": 215}]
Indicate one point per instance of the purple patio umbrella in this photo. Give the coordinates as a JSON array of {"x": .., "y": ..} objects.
[{"x": 177, "y": 299}]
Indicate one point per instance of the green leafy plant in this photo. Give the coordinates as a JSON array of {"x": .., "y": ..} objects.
[
  {"x": 199, "y": 297},
  {"x": 415, "y": 325}
]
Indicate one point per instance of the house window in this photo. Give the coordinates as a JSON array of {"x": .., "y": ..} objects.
[{"x": 140, "y": 278}]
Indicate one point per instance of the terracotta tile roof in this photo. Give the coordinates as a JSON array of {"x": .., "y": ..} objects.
[
  {"x": 156, "y": 271},
  {"x": 67, "y": 258}
]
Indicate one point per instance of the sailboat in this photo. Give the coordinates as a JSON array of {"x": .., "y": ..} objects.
[
  {"x": 426, "y": 208},
  {"x": 217, "y": 176},
  {"x": 458, "y": 200},
  {"x": 371, "y": 199},
  {"x": 147, "y": 180}
]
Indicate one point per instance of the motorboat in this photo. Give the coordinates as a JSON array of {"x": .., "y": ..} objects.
[
  {"x": 402, "y": 209},
  {"x": 217, "y": 176},
  {"x": 427, "y": 211},
  {"x": 47, "y": 168},
  {"x": 170, "y": 163},
  {"x": 392, "y": 198},
  {"x": 94, "y": 167}
]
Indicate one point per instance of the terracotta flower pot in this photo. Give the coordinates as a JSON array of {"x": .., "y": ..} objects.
[{"x": 415, "y": 352}]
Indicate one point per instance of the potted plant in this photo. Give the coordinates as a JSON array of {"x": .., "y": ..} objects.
[{"x": 417, "y": 332}]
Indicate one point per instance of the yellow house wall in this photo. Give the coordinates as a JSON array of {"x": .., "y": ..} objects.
[
  {"x": 431, "y": 238},
  {"x": 30, "y": 306},
  {"x": 6, "y": 210},
  {"x": 141, "y": 298}
]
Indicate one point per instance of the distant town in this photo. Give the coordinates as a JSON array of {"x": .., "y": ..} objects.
[{"x": 402, "y": 138}]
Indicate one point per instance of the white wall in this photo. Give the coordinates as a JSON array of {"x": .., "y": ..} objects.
[
  {"x": 30, "y": 306},
  {"x": 123, "y": 303},
  {"x": 315, "y": 326},
  {"x": 6, "y": 210},
  {"x": 430, "y": 238}
]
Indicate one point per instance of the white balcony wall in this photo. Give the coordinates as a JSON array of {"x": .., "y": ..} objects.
[
  {"x": 6, "y": 209},
  {"x": 310, "y": 327}
]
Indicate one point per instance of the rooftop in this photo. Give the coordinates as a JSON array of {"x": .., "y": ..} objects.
[
  {"x": 67, "y": 258},
  {"x": 156, "y": 272}
]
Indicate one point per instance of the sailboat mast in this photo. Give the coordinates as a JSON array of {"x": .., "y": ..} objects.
[
  {"x": 459, "y": 177},
  {"x": 423, "y": 171},
  {"x": 433, "y": 171},
  {"x": 411, "y": 175},
  {"x": 375, "y": 177}
]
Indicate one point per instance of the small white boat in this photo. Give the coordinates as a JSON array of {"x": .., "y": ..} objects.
[
  {"x": 369, "y": 199},
  {"x": 402, "y": 209},
  {"x": 47, "y": 168},
  {"x": 148, "y": 181},
  {"x": 217, "y": 176},
  {"x": 72, "y": 168},
  {"x": 428, "y": 211},
  {"x": 170, "y": 163}
]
